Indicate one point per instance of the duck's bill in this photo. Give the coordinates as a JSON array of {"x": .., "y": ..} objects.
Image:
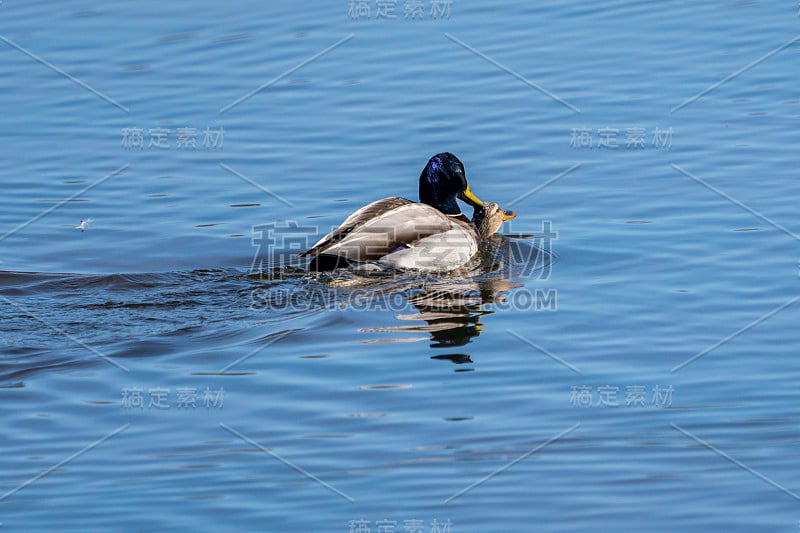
[
  {"x": 470, "y": 198},
  {"x": 508, "y": 215}
]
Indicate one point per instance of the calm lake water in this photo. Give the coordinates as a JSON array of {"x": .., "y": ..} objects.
[{"x": 626, "y": 357}]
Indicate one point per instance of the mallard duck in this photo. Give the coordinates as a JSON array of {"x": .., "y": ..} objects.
[
  {"x": 488, "y": 219},
  {"x": 397, "y": 233}
]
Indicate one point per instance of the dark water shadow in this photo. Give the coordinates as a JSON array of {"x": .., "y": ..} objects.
[
  {"x": 59, "y": 321},
  {"x": 450, "y": 308}
]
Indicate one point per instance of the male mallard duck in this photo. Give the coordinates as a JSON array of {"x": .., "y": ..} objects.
[{"x": 398, "y": 233}]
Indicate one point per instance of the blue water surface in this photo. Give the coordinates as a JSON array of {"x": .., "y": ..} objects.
[{"x": 628, "y": 360}]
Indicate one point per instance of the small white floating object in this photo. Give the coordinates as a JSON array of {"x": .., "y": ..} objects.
[{"x": 84, "y": 225}]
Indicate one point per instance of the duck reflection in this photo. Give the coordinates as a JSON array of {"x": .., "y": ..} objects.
[
  {"x": 453, "y": 310},
  {"x": 453, "y": 313}
]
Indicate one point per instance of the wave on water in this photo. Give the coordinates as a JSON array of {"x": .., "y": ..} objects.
[{"x": 55, "y": 320}]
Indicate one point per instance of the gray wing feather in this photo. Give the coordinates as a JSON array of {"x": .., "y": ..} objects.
[{"x": 381, "y": 228}]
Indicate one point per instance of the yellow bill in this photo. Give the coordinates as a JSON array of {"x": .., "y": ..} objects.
[{"x": 470, "y": 198}]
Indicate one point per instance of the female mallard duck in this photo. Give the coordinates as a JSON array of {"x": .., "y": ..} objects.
[{"x": 398, "y": 233}]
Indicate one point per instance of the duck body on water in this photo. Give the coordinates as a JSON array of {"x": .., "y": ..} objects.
[{"x": 430, "y": 235}]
